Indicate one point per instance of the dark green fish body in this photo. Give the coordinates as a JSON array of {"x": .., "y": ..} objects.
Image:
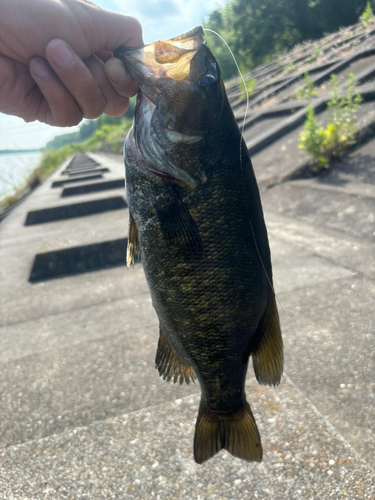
[{"x": 197, "y": 220}]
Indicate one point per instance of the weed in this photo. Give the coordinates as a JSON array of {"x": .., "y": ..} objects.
[
  {"x": 312, "y": 138},
  {"x": 308, "y": 91},
  {"x": 315, "y": 54},
  {"x": 368, "y": 15},
  {"x": 249, "y": 88},
  {"x": 289, "y": 68},
  {"x": 322, "y": 144}
]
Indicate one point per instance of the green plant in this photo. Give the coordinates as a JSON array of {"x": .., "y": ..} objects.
[
  {"x": 249, "y": 87},
  {"x": 308, "y": 91},
  {"x": 321, "y": 143},
  {"x": 315, "y": 54},
  {"x": 343, "y": 110},
  {"x": 367, "y": 15},
  {"x": 312, "y": 138},
  {"x": 289, "y": 68}
]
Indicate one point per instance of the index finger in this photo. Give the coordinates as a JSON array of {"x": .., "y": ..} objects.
[{"x": 108, "y": 30}]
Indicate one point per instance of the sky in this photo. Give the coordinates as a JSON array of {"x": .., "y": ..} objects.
[{"x": 160, "y": 19}]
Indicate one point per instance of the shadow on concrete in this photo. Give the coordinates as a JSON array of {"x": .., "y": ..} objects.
[
  {"x": 79, "y": 260},
  {"x": 89, "y": 171},
  {"x": 355, "y": 168},
  {"x": 83, "y": 168},
  {"x": 91, "y": 177},
  {"x": 93, "y": 188},
  {"x": 80, "y": 160},
  {"x": 76, "y": 210}
]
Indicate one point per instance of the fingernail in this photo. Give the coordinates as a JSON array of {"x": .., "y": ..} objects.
[
  {"x": 116, "y": 72},
  {"x": 40, "y": 68},
  {"x": 61, "y": 54}
]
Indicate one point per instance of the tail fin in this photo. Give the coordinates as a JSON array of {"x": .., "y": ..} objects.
[{"x": 236, "y": 432}]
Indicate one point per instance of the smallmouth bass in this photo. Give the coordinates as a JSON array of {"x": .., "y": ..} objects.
[{"x": 197, "y": 221}]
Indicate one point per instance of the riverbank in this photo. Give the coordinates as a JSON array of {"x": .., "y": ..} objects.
[{"x": 107, "y": 139}]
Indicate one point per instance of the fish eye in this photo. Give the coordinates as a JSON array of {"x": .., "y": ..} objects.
[
  {"x": 209, "y": 84},
  {"x": 207, "y": 80}
]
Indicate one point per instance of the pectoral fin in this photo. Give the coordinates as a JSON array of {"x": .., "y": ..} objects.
[
  {"x": 170, "y": 365},
  {"x": 268, "y": 358},
  {"x": 177, "y": 224},
  {"x": 133, "y": 250}
]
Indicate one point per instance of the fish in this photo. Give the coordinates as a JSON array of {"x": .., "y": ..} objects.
[{"x": 196, "y": 221}]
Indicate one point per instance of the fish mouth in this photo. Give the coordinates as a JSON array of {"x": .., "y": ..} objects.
[{"x": 162, "y": 59}]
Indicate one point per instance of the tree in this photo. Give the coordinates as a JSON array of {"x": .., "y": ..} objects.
[{"x": 257, "y": 31}]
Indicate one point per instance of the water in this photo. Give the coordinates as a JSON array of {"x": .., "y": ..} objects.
[{"x": 14, "y": 169}]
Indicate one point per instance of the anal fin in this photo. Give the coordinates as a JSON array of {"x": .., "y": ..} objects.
[
  {"x": 133, "y": 250},
  {"x": 170, "y": 365},
  {"x": 268, "y": 357},
  {"x": 237, "y": 432}
]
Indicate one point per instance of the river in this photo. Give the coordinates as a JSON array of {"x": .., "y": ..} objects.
[{"x": 14, "y": 169}]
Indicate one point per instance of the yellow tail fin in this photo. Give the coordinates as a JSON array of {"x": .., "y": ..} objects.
[{"x": 236, "y": 432}]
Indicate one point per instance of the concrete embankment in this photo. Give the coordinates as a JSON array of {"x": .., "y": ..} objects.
[{"x": 83, "y": 412}]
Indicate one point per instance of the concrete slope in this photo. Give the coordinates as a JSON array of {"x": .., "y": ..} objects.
[{"x": 83, "y": 413}]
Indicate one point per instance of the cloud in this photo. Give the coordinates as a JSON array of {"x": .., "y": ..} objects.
[
  {"x": 162, "y": 19},
  {"x": 157, "y": 9}
]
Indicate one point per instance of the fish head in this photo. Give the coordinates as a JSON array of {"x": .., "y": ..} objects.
[{"x": 178, "y": 121}]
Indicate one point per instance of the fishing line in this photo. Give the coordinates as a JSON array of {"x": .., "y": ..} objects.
[
  {"x": 241, "y": 139},
  {"x": 239, "y": 72}
]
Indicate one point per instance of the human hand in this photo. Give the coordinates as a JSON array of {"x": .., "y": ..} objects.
[{"x": 52, "y": 60}]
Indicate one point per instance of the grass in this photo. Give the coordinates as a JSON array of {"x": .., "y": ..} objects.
[
  {"x": 249, "y": 87},
  {"x": 289, "y": 68},
  {"x": 315, "y": 54},
  {"x": 109, "y": 138},
  {"x": 308, "y": 91},
  {"x": 324, "y": 143},
  {"x": 368, "y": 16}
]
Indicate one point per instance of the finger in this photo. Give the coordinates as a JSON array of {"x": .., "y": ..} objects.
[
  {"x": 119, "y": 78},
  {"x": 116, "y": 105},
  {"x": 58, "y": 107},
  {"x": 122, "y": 30},
  {"x": 111, "y": 28},
  {"x": 76, "y": 77}
]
